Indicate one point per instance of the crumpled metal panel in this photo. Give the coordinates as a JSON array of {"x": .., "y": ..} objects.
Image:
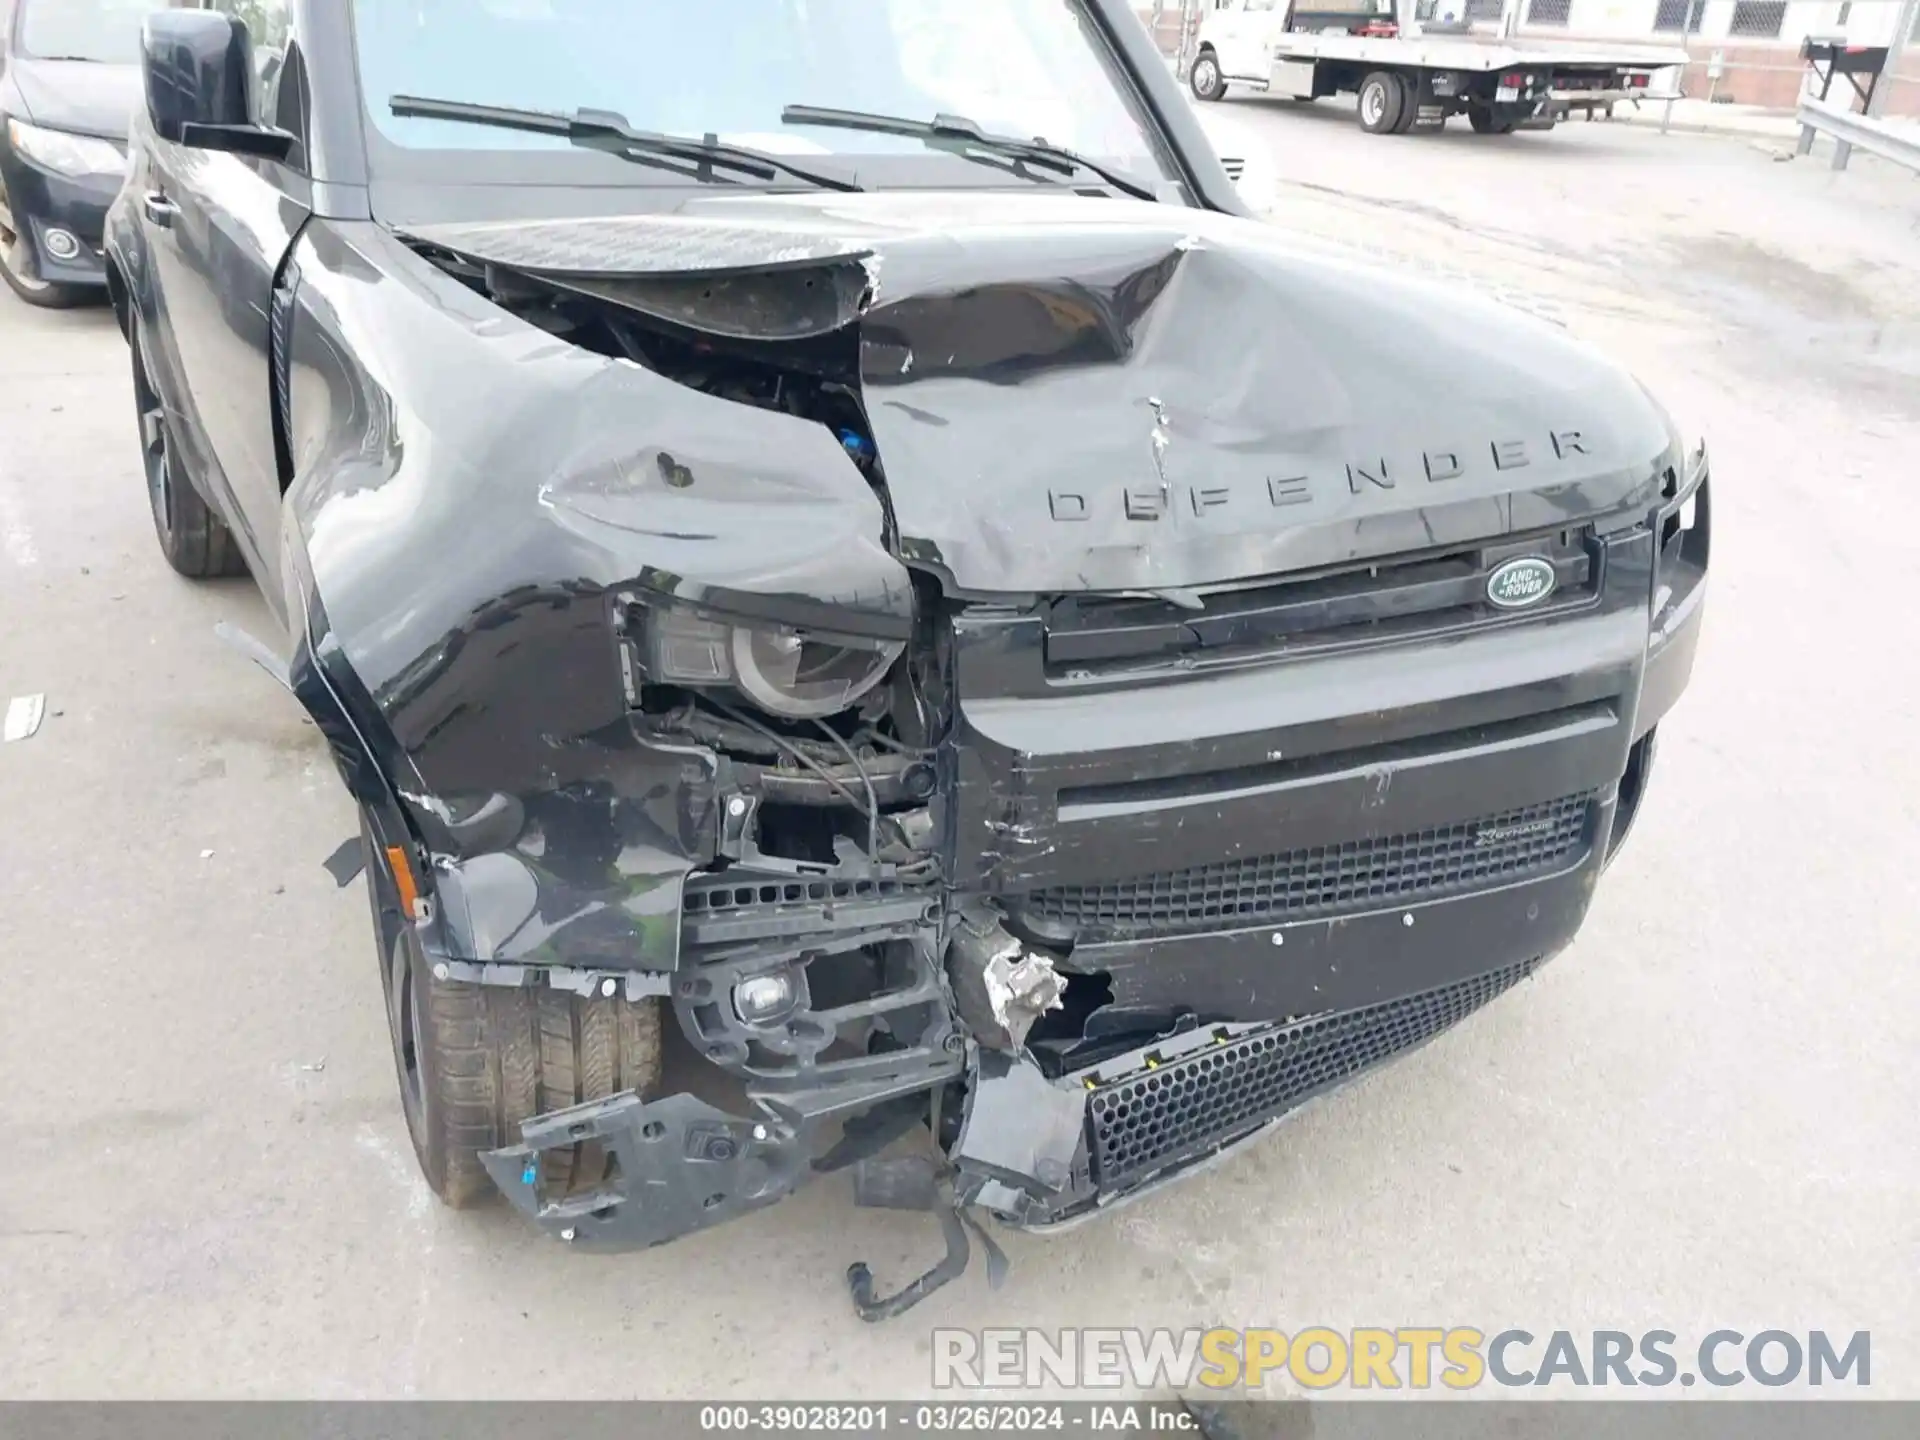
[
  {"x": 473, "y": 500},
  {"x": 1068, "y": 394},
  {"x": 652, "y": 244},
  {"x": 1077, "y": 395}
]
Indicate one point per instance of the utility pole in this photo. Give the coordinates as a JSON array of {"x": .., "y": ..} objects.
[{"x": 1877, "y": 102}]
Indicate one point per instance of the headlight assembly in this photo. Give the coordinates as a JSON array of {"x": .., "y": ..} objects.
[
  {"x": 785, "y": 670},
  {"x": 68, "y": 154}
]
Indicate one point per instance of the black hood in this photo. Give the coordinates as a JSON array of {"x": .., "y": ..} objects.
[
  {"x": 89, "y": 98},
  {"x": 1093, "y": 394}
]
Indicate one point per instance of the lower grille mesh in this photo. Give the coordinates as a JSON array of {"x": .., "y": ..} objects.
[
  {"x": 1158, "y": 1118},
  {"x": 1325, "y": 879}
]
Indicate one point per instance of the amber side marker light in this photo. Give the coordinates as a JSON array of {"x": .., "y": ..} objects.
[{"x": 403, "y": 881}]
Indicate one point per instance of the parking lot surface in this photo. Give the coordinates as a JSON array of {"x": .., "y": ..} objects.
[{"x": 1701, "y": 1116}]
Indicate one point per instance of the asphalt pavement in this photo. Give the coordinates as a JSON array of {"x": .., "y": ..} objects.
[{"x": 1701, "y": 1116}]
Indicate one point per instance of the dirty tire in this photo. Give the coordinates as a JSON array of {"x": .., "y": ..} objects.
[
  {"x": 195, "y": 541},
  {"x": 475, "y": 1061},
  {"x": 1205, "y": 78},
  {"x": 1381, "y": 99},
  {"x": 1485, "y": 122}
]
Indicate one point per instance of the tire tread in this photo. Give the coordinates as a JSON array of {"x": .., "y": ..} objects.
[{"x": 493, "y": 1057}]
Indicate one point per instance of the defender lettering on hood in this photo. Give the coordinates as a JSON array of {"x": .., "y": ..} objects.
[
  {"x": 1434, "y": 466},
  {"x": 1121, "y": 363}
]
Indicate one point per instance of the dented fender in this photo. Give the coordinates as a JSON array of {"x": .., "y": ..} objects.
[{"x": 470, "y": 499}]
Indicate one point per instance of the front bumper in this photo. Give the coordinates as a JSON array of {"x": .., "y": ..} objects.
[
  {"x": 43, "y": 200},
  {"x": 1100, "y": 1136},
  {"x": 1289, "y": 875}
]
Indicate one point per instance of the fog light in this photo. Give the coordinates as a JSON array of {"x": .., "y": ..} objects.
[
  {"x": 763, "y": 999},
  {"x": 61, "y": 244}
]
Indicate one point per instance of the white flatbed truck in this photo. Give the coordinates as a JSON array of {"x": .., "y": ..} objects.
[{"x": 1413, "y": 62}]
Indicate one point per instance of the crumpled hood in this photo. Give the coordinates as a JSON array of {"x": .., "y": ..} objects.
[
  {"x": 88, "y": 98},
  {"x": 1074, "y": 393}
]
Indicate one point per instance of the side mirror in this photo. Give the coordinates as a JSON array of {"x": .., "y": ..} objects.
[{"x": 198, "y": 68}]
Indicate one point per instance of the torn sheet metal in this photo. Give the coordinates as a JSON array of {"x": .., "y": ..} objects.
[{"x": 24, "y": 714}]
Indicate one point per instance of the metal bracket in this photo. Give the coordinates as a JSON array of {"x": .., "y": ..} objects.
[{"x": 682, "y": 1166}]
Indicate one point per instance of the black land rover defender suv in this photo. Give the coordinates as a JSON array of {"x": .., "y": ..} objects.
[{"x": 824, "y": 527}]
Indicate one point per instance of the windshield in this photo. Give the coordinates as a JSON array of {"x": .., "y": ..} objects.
[
  {"x": 105, "y": 31},
  {"x": 1021, "y": 67}
]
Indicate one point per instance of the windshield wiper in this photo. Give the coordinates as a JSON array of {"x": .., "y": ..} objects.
[
  {"x": 960, "y": 135},
  {"x": 610, "y": 132}
]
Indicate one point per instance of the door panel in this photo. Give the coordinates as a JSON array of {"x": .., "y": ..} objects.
[
  {"x": 233, "y": 233},
  {"x": 219, "y": 228},
  {"x": 1250, "y": 38},
  {"x": 141, "y": 246},
  {"x": 1222, "y": 31},
  {"x": 231, "y": 228}
]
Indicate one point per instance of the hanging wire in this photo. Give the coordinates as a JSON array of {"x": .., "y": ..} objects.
[
  {"x": 788, "y": 748},
  {"x": 859, "y": 766},
  {"x": 898, "y": 747}
]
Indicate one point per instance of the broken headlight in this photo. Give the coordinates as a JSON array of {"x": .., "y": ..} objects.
[{"x": 786, "y": 670}]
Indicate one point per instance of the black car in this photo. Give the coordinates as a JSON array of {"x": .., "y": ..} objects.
[
  {"x": 993, "y": 642},
  {"x": 69, "y": 84}
]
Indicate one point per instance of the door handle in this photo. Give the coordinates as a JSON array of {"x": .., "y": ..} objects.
[{"x": 158, "y": 209}]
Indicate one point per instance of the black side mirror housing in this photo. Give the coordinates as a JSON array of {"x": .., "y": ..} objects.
[{"x": 198, "y": 69}]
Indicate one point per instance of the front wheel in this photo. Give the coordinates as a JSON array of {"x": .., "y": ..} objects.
[
  {"x": 474, "y": 1061},
  {"x": 1207, "y": 81},
  {"x": 195, "y": 541}
]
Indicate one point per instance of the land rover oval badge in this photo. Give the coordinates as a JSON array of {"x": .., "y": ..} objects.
[{"x": 1520, "y": 583}]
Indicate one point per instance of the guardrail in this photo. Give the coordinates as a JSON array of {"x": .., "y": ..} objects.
[{"x": 1890, "y": 140}]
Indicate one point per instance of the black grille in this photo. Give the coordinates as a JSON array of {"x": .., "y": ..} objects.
[
  {"x": 1325, "y": 880},
  {"x": 1163, "y": 1116},
  {"x": 735, "y": 907},
  {"x": 722, "y": 893},
  {"x": 1362, "y": 604}
]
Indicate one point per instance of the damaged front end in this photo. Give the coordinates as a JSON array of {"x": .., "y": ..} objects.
[{"x": 1026, "y": 681}]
